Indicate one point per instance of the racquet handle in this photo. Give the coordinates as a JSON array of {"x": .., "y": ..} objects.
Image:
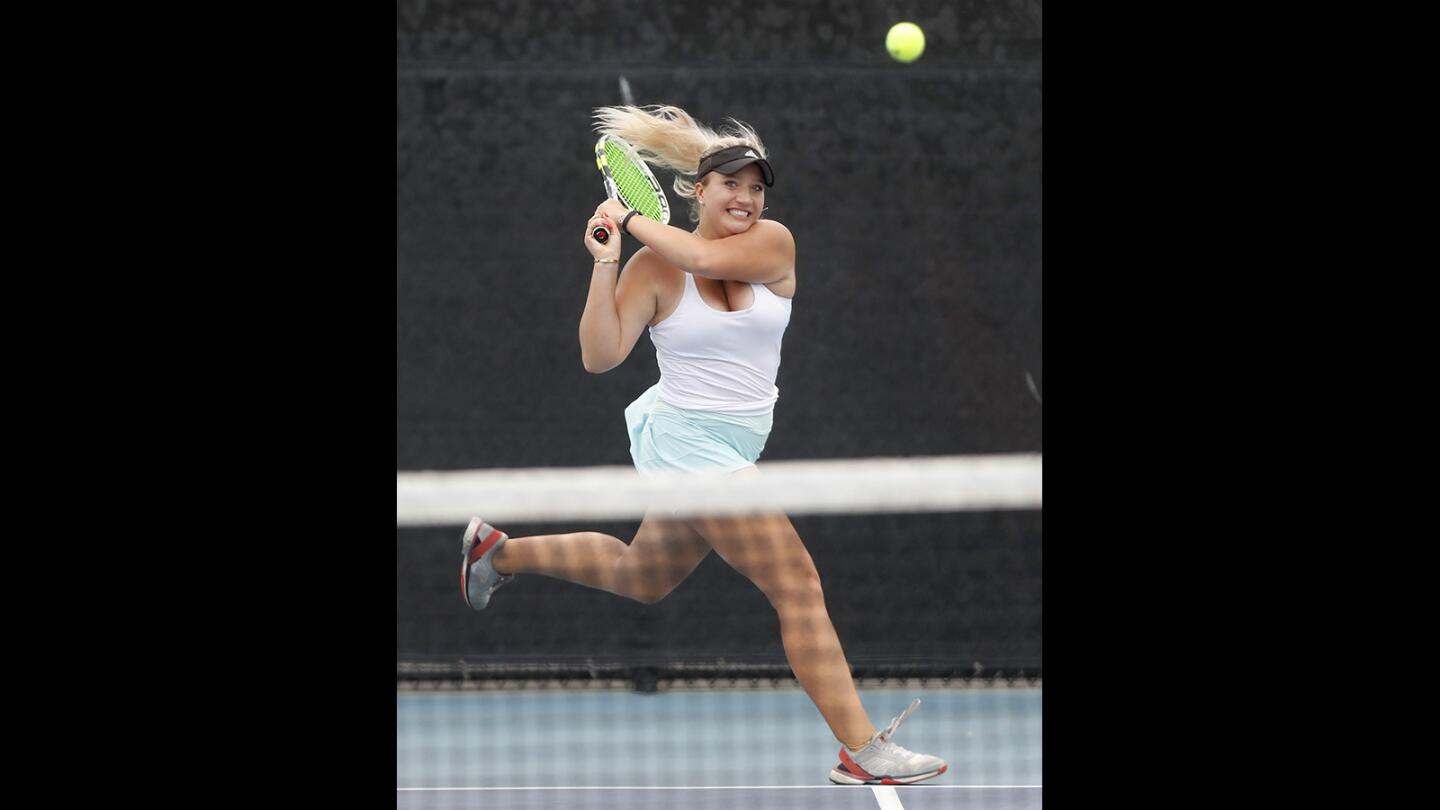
[{"x": 600, "y": 235}]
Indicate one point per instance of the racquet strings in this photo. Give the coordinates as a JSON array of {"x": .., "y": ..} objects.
[{"x": 637, "y": 189}]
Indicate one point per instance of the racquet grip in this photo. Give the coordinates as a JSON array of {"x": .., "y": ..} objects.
[{"x": 600, "y": 235}]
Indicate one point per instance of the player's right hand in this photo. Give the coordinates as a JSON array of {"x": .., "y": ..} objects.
[{"x": 611, "y": 248}]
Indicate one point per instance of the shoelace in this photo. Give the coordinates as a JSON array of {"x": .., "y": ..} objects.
[{"x": 882, "y": 738}]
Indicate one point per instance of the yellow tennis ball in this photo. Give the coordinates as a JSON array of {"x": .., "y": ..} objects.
[{"x": 905, "y": 41}]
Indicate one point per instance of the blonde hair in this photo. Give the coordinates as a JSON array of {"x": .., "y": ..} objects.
[{"x": 668, "y": 137}]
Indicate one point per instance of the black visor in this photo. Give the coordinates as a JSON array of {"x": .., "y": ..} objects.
[{"x": 732, "y": 159}]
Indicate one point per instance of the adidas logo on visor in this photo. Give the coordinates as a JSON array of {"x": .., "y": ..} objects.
[{"x": 749, "y": 153}]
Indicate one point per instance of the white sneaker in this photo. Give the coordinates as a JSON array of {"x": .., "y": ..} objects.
[
  {"x": 478, "y": 577},
  {"x": 882, "y": 762}
]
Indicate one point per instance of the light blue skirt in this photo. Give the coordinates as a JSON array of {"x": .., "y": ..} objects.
[{"x": 664, "y": 438}]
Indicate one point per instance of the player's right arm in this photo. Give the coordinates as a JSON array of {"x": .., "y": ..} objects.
[{"x": 616, "y": 310}]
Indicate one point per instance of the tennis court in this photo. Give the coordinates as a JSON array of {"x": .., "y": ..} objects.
[
  {"x": 933, "y": 797},
  {"x": 756, "y": 746}
]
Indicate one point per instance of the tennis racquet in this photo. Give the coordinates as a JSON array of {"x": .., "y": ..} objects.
[{"x": 628, "y": 179}]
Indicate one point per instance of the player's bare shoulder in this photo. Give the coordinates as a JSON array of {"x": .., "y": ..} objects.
[
  {"x": 775, "y": 233},
  {"x": 659, "y": 277},
  {"x": 779, "y": 239},
  {"x": 651, "y": 266}
]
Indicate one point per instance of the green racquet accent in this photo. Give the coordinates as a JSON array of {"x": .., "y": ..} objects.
[{"x": 631, "y": 180}]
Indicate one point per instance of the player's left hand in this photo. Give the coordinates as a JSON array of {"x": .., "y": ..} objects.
[{"x": 613, "y": 208}]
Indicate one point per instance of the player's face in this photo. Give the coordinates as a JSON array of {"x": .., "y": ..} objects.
[{"x": 733, "y": 201}]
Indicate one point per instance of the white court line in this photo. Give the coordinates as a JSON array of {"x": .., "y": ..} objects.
[
  {"x": 886, "y": 796},
  {"x": 727, "y": 787}
]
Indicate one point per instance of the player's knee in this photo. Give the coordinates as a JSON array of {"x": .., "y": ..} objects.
[
  {"x": 809, "y": 590},
  {"x": 646, "y": 584},
  {"x": 650, "y": 593},
  {"x": 801, "y": 589}
]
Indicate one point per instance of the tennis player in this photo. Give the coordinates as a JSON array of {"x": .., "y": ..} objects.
[{"x": 716, "y": 300}]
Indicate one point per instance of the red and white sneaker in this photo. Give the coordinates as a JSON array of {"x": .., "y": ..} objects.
[
  {"x": 882, "y": 762},
  {"x": 478, "y": 577}
]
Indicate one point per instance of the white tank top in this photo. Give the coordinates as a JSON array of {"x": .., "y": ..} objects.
[{"x": 721, "y": 361}]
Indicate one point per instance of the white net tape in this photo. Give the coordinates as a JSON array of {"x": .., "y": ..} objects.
[{"x": 939, "y": 483}]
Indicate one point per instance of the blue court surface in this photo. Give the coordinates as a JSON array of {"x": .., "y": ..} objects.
[{"x": 751, "y": 749}]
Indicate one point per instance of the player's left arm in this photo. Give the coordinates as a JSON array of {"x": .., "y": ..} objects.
[{"x": 763, "y": 254}]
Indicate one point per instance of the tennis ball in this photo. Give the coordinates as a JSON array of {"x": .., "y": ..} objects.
[{"x": 905, "y": 41}]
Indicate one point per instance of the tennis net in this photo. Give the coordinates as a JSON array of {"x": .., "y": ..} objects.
[{"x": 668, "y": 669}]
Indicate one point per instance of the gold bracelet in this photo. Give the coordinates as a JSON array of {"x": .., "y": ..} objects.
[{"x": 607, "y": 261}]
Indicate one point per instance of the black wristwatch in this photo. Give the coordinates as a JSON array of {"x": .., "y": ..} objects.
[{"x": 626, "y": 221}]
